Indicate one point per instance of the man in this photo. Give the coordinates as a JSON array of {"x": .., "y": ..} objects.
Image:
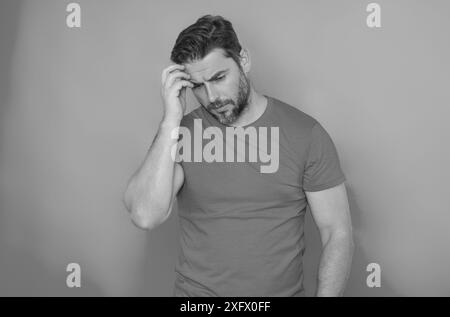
[{"x": 241, "y": 229}]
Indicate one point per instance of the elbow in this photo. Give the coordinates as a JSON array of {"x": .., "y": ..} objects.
[
  {"x": 342, "y": 236},
  {"x": 138, "y": 218},
  {"x": 145, "y": 219},
  {"x": 348, "y": 236},
  {"x": 347, "y": 240},
  {"x": 142, "y": 216},
  {"x": 345, "y": 235},
  {"x": 127, "y": 199},
  {"x": 141, "y": 221}
]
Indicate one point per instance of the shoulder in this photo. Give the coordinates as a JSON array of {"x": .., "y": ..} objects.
[{"x": 292, "y": 118}]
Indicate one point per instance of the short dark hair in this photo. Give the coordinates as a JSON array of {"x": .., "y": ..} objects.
[{"x": 207, "y": 33}]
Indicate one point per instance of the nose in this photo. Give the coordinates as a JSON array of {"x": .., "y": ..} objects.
[{"x": 211, "y": 92}]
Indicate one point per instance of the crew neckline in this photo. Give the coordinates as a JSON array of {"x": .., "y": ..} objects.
[{"x": 258, "y": 122}]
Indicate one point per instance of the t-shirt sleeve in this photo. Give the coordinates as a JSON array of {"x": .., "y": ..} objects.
[{"x": 322, "y": 167}]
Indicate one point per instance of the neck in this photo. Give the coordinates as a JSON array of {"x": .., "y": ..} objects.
[{"x": 256, "y": 106}]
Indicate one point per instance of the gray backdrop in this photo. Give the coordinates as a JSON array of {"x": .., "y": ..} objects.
[{"x": 80, "y": 107}]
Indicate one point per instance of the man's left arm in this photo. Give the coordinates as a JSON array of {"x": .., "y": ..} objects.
[{"x": 331, "y": 213}]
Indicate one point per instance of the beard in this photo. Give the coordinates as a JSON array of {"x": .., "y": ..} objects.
[{"x": 229, "y": 116}]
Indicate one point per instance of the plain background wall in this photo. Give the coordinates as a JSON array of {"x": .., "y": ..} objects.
[{"x": 80, "y": 107}]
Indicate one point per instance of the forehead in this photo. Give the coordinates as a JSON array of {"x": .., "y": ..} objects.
[{"x": 214, "y": 61}]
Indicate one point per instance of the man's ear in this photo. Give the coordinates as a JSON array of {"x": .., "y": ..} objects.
[{"x": 245, "y": 60}]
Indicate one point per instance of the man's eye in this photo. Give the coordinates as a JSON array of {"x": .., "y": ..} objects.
[{"x": 220, "y": 78}]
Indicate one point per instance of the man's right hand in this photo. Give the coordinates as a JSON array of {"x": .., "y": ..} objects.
[{"x": 173, "y": 92}]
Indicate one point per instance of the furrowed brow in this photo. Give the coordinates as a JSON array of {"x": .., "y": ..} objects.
[{"x": 213, "y": 77}]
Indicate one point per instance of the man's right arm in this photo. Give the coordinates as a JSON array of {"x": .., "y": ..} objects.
[{"x": 151, "y": 190}]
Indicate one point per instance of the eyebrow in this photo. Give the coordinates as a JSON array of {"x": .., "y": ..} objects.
[{"x": 213, "y": 77}]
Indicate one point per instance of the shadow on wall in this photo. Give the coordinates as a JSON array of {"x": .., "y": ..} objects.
[{"x": 356, "y": 285}]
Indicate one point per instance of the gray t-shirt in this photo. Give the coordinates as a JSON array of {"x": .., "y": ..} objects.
[{"x": 241, "y": 230}]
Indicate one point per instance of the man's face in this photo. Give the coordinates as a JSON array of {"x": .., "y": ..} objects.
[{"x": 220, "y": 86}]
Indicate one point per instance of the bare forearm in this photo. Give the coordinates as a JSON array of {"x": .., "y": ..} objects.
[
  {"x": 335, "y": 264},
  {"x": 149, "y": 191}
]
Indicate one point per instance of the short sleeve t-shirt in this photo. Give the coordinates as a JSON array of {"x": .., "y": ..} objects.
[{"x": 241, "y": 229}]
